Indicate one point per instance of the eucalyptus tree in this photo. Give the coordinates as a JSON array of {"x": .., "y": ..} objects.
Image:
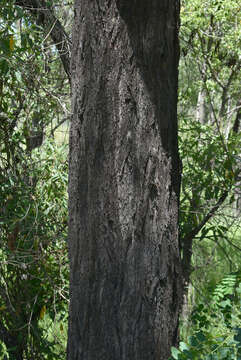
[
  {"x": 124, "y": 175},
  {"x": 125, "y": 284},
  {"x": 124, "y": 178}
]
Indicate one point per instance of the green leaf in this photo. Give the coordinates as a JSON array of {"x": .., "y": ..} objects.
[
  {"x": 193, "y": 341},
  {"x": 183, "y": 346},
  {"x": 18, "y": 75},
  {"x": 237, "y": 336},
  {"x": 4, "y": 67},
  {"x": 200, "y": 336},
  {"x": 175, "y": 352}
]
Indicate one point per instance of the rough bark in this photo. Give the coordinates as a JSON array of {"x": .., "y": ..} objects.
[{"x": 124, "y": 177}]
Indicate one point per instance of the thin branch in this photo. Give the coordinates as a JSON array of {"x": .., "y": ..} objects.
[
  {"x": 232, "y": 244},
  {"x": 187, "y": 241},
  {"x": 225, "y": 90},
  {"x": 224, "y": 252},
  {"x": 60, "y": 123},
  {"x": 216, "y": 121},
  {"x": 209, "y": 215}
]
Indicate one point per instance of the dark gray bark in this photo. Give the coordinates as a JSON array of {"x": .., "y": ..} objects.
[{"x": 124, "y": 177}]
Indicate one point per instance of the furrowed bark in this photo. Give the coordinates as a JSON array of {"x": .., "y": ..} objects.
[{"x": 124, "y": 179}]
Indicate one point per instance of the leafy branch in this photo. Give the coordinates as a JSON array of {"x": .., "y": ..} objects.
[{"x": 45, "y": 17}]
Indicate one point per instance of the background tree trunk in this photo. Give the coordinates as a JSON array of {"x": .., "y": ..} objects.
[
  {"x": 201, "y": 113},
  {"x": 124, "y": 177}
]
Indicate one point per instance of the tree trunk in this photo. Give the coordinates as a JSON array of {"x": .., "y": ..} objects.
[
  {"x": 124, "y": 177},
  {"x": 201, "y": 113}
]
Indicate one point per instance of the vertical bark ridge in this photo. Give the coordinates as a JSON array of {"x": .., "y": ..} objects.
[{"x": 125, "y": 286}]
